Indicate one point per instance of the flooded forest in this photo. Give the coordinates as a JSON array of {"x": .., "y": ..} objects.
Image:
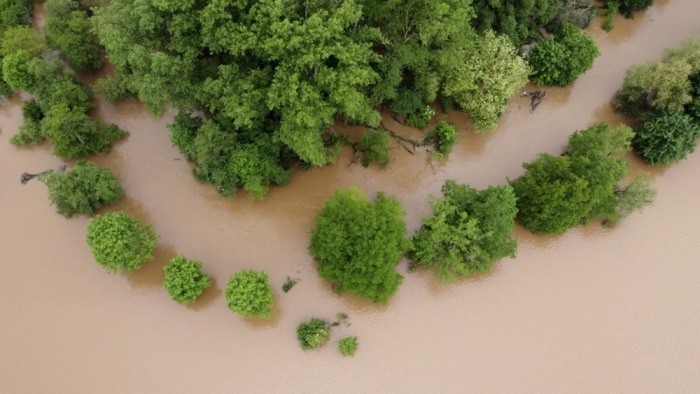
[{"x": 592, "y": 310}]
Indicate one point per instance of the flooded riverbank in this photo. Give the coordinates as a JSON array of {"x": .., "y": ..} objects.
[{"x": 593, "y": 310}]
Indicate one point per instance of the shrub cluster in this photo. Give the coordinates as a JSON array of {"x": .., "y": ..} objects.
[
  {"x": 249, "y": 294},
  {"x": 184, "y": 279},
  {"x": 120, "y": 242},
  {"x": 313, "y": 333}
]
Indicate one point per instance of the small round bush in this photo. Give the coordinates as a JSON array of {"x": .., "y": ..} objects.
[
  {"x": 666, "y": 137},
  {"x": 348, "y": 346},
  {"x": 249, "y": 294},
  {"x": 86, "y": 188},
  {"x": 185, "y": 280},
  {"x": 314, "y": 333},
  {"x": 444, "y": 136},
  {"x": 119, "y": 241}
]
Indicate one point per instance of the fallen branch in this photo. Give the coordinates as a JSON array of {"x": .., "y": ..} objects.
[
  {"x": 536, "y": 98},
  {"x": 26, "y": 177}
]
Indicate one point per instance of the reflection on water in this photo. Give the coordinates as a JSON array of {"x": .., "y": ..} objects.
[{"x": 595, "y": 309}]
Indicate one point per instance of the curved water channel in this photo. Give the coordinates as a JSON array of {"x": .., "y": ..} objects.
[{"x": 594, "y": 310}]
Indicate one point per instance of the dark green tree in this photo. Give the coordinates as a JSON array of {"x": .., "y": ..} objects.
[
  {"x": 184, "y": 279},
  {"x": 313, "y": 333},
  {"x": 357, "y": 244},
  {"x": 84, "y": 189},
  {"x": 468, "y": 231},
  {"x": 443, "y": 136},
  {"x": 249, "y": 294},
  {"x": 374, "y": 147},
  {"x": 70, "y": 30},
  {"x": 559, "y": 59},
  {"x": 519, "y": 20},
  {"x": 15, "y": 13},
  {"x": 120, "y": 242},
  {"x": 666, "y": 137}
]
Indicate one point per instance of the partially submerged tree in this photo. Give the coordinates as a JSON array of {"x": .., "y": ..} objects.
[
  {"x": 249, "y": 294},
  {"x": 357, "y": 244},
  {"x": 120, "y": 242},
  {"x": 184, "y": 279},
  {"x": 84, "y": 189},
  {"x": 468, "y": 231},
  {"x": 313, "y": 333},
  {"x": 667, "y": 137},
  {"x": 348, "y": 346}
]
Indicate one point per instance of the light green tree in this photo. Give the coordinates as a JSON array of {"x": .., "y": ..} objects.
[{"x": 120, "y": 242}]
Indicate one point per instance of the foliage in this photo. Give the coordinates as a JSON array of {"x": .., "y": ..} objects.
[
  {"x": 420, "y": 117},
  {"x": 666, "y": 137},
  {"x": 517, "y": 19},
  {"x": 113, "y": 88},
  {"x": 577, "y": 12},
  {"x": 30, "y": 132},
  {"x": 314, "y": 333},
  {"x": 185, "y": 280},
  {"x": 348, "y": 346},
  {"x": 609, "y": 17},
  {"x": 483, "y": 84},
  {"x": 119, "y": 241},
  {"x": 83, "y": 190},
  {"x": 373, "y": 147},
  {"x": 75, "y": 134},
  {"x": 15, "y": 70},
  {"x": 22, "y": 38},
  {"x": 627, "y": 7},
  {"x": 468, "y": 231},
  {"x": 15, "y": 13},
  {"x": 559, "y": 59},
  {"x": 249, "y": 294},
  {"x": 560, "y": 192},
  {"x": 357, "y": 244},
  {"x": 632, "y": 197},
  {"x": 663, "y": 85},
  {"x": 443, "y": 136},
  {"x": 70, "y": 30}
]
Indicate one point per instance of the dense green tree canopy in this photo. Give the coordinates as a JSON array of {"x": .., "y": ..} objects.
[
  {"x": 666, "y": 137},
  {"x": 22, "y": 37},
  {"x": 184, "y": 279},
  {"x": 15, "y": 13},
  {"x": 468, "y": 231},
  {"x": 84, "y": 189},
  {"x": 518, "y": 19},
  {"x": 120, "y": 242},
  {"x": 70, "y": 30},
  {"x": 249, "y": 294},
  {"x": 357, "y": 244},
  {"x": 559, "y": 59},
  {"x": 560, "y": 192}
]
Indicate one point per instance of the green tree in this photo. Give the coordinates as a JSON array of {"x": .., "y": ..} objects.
[
  {"x": 22, "y": 38},
  {"x": 249, "y": 294},
  {"x": 559, "y": 59},
  {"x": 185, "y": 280},
  {"x": 120, "y": 242},
  {"x": 348, "y": 346},
  {"x": 560, "y": 192},
  {"x": 70, "y": 30},
  {"x": 517, "y": 19},
  {"x": 635, "y": 196},
  {"x": 313, "y": 333},
  {"x": 627, "y": 7},
  {"x": 15, "y": 13},
  {"x": 83, "y": 190},
  {"x": 374, "y": 147},
  {"x": 468, "y": 231},
  {"x": 443, "y": 136},
  {"x": 666, "y": 137},
  {"x": 486, "y": 80},
  {"x": 357, "y": 244},
  {"x": 30, "y": 132}
]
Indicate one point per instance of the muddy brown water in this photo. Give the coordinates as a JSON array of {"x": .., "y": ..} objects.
[{"x": 593, "y": 310}]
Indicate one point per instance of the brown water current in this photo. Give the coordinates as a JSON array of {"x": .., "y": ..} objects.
[{"x": 594, "y": 310}]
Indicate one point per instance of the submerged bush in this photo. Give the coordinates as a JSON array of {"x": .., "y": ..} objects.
[
  {"x": 443, "y": 136},
  {"x": 120, "y": 242},
  {"x": 83, "y": 190},
  {"x": 348, "y": 346},
  {"x": 373, "y": 147},
  {"x": 185, "y": 280},
  {"x": 249, "y": 294},
  {"x": 313, "y": 333}
]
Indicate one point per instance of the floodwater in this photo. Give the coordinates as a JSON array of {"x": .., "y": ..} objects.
[{"x": 594, "y": 310}]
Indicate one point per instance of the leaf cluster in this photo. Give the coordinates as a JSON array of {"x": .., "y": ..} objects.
[
  {"x": 84, "y": 189},
  {"x": 374, "y": 147},
  {"x": 666, "y": 137},
  {"x": 184, "y": 279},
  {"x": 560, "y": 192},
  {"x": 313, "y": 333},
  {"x": 559, "y": 59},
  {"x": 348, "y": 346},
  {"x": 249, "y": 294},
  {"x": 70, "y": 30},
  {"x": 120, "y": 242},
  {"x": 468, "y": 231},
  {"x": 357, "y": 244}
]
